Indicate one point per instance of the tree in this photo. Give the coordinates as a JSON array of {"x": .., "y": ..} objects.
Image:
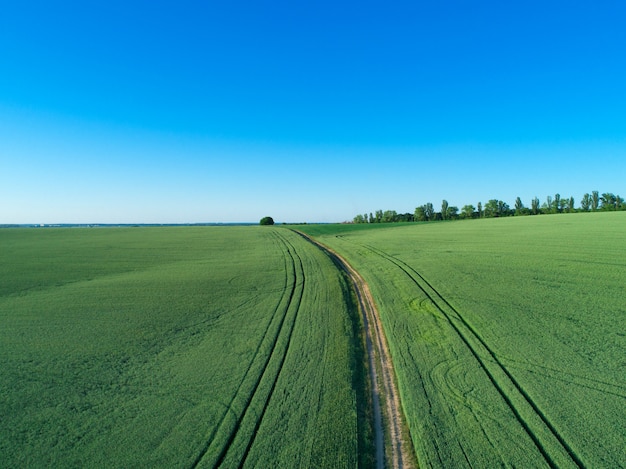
[
  {"x": 595, "y": 200},
  {"x": 585, "y": 203},
  {"x": 467, "y": 211},
  {"x": 491, "y": 208},
  {"x": 390, "y": 216},
  {"x": 503, "y": 209},
  {"x": 534, "y": 206},
  {"x": 556, "y": 205},
  {"x": 429, "y": 211},
  {"x": 496, "y": 208},
  {"x": 266, "y": 221},
  {"x": 608, "y": 201},
  {"x": 548, "y": 205},
  {"x": 419, "y": 214},
  {"x": 424, "y": 212}
]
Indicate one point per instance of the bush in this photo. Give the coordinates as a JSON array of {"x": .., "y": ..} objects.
[{"x": 267, "y": 221}]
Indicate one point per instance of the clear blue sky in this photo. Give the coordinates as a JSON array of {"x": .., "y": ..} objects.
[{"x": 228, "y": 111}]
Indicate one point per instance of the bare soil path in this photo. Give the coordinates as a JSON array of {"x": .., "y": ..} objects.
[{"x": 392, "y": 439}]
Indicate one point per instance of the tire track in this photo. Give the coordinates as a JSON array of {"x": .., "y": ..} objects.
[
  {"x": 293, "y": 256},
  {"x": 388, "y": 420},
  {"x": 293, "y": 297},
  {"x": 503, "y": 381}
]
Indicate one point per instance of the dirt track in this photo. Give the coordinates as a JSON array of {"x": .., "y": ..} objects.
[{"x": 391, "y": 444}]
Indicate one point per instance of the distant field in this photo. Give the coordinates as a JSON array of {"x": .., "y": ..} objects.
[
  {"x": 508, "y": 335},
  {"x": 175, "y": 347}
]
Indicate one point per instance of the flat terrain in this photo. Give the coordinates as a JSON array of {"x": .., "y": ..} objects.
[
  {"x": 176, "y": 347},
  {"x": 243, "y": 346},
  {"x": 507, "y": 335}
]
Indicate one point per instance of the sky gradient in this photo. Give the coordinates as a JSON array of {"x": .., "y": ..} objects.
[{"x": 176, "y": 112}]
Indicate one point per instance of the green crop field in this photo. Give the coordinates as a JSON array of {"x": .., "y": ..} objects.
[
  {"x": 508, "y": 335},
  {"x": 240, "y": 346},
  {"x": 176, "y": 347}
]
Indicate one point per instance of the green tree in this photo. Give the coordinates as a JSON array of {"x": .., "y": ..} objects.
[
  {"x": 608, "y": 201},
  {"x": 467, "y": 211},
  {"x": 570, "y": 207},
  {"x": 444, "y": 209},
  {"x": 585, "y": 203},
  {"x": 534, "y": 206},
  {"x": 503, "y": 209},
  {"x": 548, "y": 205},
  {"x": 419, "y": 214},
  {"x": 358, "y": 219},
  {"x": 519, "y": 207},
  {"x": 452, "y": 212},
  {"x": 595, "y": 200},
  {"x": 491, "y": 208},
  {"x": 379, "y": 216},
  {"x": 556, "y": 204},
  {"x": 479, "y": 209},
  {"x": 429, "y": 211},
  {"x": 389, "y": 216},
  {"x": 496, "y": 208},
  {"x": 266, "y": 221}
]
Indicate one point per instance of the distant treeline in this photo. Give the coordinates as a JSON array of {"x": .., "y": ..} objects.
[{"x": 497, "y": 208}]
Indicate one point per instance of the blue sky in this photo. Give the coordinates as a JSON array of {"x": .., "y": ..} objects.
[{"x": 124, "y": 112}]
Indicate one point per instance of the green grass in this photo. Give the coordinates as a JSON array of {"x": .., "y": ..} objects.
[
  {"x": 173, "y": 347},
  {"x": 508, "y": 335}
]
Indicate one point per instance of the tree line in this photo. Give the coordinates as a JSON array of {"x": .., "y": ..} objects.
[{"x": 497, "y": 208}]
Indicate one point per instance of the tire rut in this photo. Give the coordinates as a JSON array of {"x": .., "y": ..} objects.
[
  {"x": 294, "y": 298},
  {"x": 514, "y": 395},
  {"x": 284, "y": 355}
]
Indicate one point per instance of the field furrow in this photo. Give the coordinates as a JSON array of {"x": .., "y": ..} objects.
[
  {"x": 549, "y": 442},
  {"x": 241, "y": 433},
  {"x": 294, "y": 307},
  {"x": 507, "y": 335},
  {"x": 176, "y": 347}
]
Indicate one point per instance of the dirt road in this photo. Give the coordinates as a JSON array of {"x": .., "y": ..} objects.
[{"x": 391, "y": 444}]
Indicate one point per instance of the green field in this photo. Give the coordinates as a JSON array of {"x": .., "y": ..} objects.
[
  {"x": 176, "y": 347},
  {"x": 508, "y": 335},
  {"x": 240, "y": 346}
]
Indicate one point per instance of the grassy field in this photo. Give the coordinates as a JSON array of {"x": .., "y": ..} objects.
[
  {"x": 176, "y": 347},
  {"x": 508, "y": 335}
]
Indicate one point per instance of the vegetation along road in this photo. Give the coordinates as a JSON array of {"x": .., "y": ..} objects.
[{"x": 392, "y": 440}]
